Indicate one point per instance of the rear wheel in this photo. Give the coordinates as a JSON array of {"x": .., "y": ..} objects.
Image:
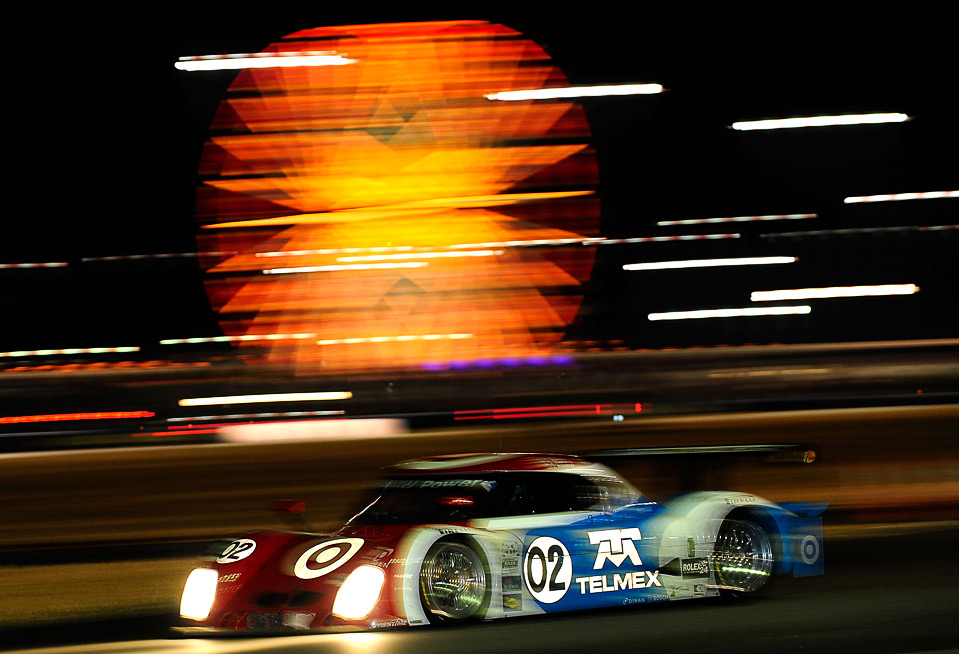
[
  {"x": 453, "y": 584},
  {"x": 742, "y": 558}
]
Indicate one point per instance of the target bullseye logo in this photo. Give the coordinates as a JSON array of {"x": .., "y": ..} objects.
[
  {"x": 809, "y": 549},
  {"x": 326, "y": 557}
]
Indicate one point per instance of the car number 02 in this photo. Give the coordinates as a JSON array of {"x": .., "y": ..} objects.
[
  {"x": 237, "y": 551},
  {"x": 548, "y": 570}
]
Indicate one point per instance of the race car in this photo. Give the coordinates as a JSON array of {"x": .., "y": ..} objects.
[{"x": 463, "y": 538}]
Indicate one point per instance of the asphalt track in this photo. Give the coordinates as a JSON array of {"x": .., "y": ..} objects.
[
  {"x": 886, "y": 593},
  {"x": 96, "y": 543}
]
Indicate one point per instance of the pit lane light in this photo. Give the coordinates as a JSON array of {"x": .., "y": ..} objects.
[
  {"x": 199, "y": 591},
  {"x": 359, "y": 593}
]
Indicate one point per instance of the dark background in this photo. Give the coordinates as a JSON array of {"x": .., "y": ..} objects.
[{"x": 105, "y": 137}]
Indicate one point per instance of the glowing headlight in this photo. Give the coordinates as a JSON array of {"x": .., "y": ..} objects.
[
  {"x": 198, "y": 594},
  {"x": 359, "y": 593}
]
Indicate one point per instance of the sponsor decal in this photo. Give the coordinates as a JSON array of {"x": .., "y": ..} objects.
[
  {"x": 237, "y": 551},
  {"x": 377, "y": 556},
  {"x": 438, "y": 483},
  {"x": 548, "y": 569},
  {"x": 391, "y": 622},
  {"x": 513, "y": 602},
  {"x": 512, "y": 584},
  {"x": 228, "y": 579},
  {"x": 326, "y": 557},
  {"x": 695, "y": 568},
  {"x": 615, "y": 545},
  {"x": 699, "y": 589},
  {"x": 739, "y": 500},
  {"x": 510, "y": 565},
  {"x": 446, "y": 531},
  {"x": 809, "y": 549},
  {"x": 611, "y": 583}
]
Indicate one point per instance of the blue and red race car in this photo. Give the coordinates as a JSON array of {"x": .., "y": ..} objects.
[{"x": 486, "y": 536}]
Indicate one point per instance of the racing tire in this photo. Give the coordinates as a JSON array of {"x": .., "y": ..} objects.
[
  {"x": 454, "y": 583},
  {"x": 743, "y": 559}
]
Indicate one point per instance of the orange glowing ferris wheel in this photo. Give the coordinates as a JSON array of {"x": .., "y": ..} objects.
[{"x": 381, "y": 208}]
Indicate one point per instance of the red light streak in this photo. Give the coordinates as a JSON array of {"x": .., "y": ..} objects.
[{"x": 67, "y": 417}]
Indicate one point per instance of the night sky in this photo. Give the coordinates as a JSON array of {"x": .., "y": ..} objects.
[{"x": 106, "y": 137}]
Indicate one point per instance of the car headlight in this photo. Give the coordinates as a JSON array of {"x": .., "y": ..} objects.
[
  {"x": 198, "y": 594},
  {"x": 359, "y": 593}
]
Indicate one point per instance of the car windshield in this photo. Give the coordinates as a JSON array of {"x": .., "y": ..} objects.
[{"x": 407, "y": 499}]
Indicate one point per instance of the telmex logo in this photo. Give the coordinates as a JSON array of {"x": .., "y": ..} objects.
[
  {"x": 328, "y": 555},
  {"x": 615, "y": 545}
]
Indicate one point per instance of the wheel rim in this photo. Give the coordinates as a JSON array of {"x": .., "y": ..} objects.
[
  {"x": 453, "y": 581},
  {"x": 743, "y": 557}
]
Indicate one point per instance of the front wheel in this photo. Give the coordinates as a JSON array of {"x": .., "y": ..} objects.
[
  {"x": 453, "y": 583},
  {"x": 742, "y": 558}
]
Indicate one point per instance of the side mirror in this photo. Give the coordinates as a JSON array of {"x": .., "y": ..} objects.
[{"x": 287, "y": 506}]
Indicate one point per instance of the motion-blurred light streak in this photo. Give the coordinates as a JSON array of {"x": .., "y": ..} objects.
[
  {"x": 70, "y": 417},
  {"x": 51, "y": 264},
  {"x": 737, "y": 219},
  {"x": 896, "y": 197},
  {"x": 576, "y": 92},
  {"x": 834, "y": 292},
  {"x": 820, "y": 121},
  {"x": 404, "y": 338},
  {"x": 662, "y": 239},
  {"x": 245, "y": 338},
  {"x": 258, "y": 416},
  {"x": 730, "y": 313},
  {"x": 268, "y": 397},
  {"x": 399, "y": 153},
  {"x": 261, "y": 60},
  {"x": 70, "y": 350},
  {"x": 709, "y": 263}
]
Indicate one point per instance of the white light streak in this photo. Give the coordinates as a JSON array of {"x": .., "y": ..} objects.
[
  {"x": 236, "y": 339},
  {"x": 833, "y": 292},
  {"x": 261, "y": 60},
  {"x": 577, "y": 92},
  {"x": 895, "y": 197},
  {"x": 345, "y": 267},
  {"x": 394, "y": 339},
  {"x": 422, "y": 255},
  {"x": 820, "y": 121},
  {"x": 254, "y": 416},
  {"x": 272, "y": 397},
  {"x": 730, "y": 313},
  {"x": 661, "y": 239},
  {"x": 71, "y": 350},
  {"x": 738, "y": 219},
  {"x": 51, "y": 264},
  {"x": 709, "y": 263}
]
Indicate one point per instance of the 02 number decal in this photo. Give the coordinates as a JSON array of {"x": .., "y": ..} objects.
[
  {"x": 237, "y": 551},
  {"x": 548, "y": 570}
]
